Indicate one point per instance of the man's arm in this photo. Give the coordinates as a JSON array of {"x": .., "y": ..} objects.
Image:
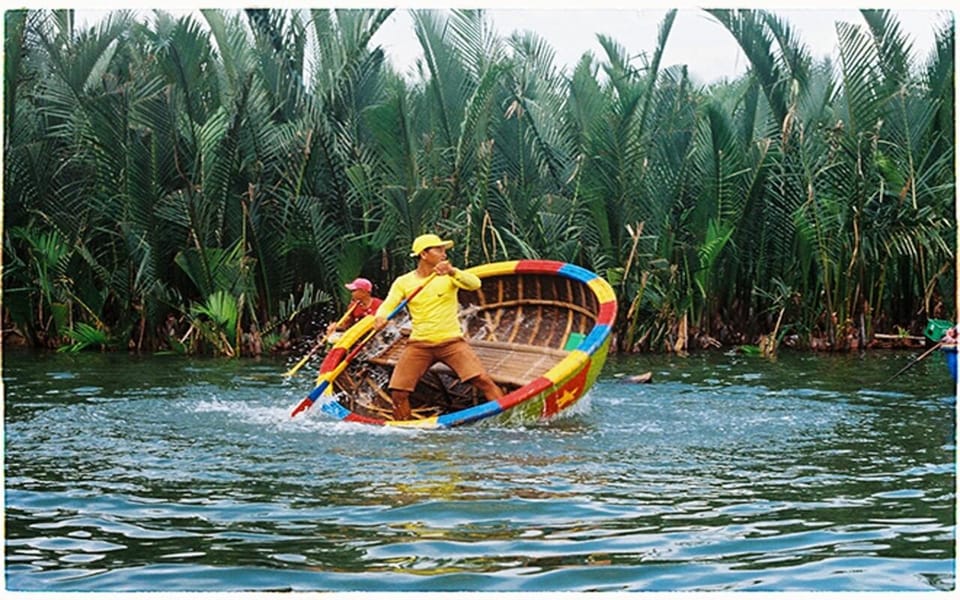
[
  {"x": 394, "y": 298},
  {"x": 461, "y": 279}
]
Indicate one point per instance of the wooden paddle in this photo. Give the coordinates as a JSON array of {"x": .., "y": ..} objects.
[
  {"x": 293, "y": 370},
  {"x": 327, "y": 378},
  {"x": 916, "y": 360}
]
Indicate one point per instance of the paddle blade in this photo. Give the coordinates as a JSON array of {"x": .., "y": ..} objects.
[
  {"x": 304, "y": 405},
  {"x": 315, "y": 392}
]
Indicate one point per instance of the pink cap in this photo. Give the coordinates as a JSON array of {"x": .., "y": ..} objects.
[{"x": 360, "y": 284}]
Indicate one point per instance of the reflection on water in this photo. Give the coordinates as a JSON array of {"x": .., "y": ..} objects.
[{"x": 725, "y": 473}]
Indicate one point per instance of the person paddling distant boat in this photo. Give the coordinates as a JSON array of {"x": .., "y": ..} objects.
[{"x": 435, "y": 328}]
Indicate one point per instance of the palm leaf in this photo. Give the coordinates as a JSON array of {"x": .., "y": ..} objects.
[
  {"x": 448, "y": 78},
  {"x": 754, "y": 38},
  {"x": 84, "y": 336},
  {"x": 861, "y": 79},
  {"x": 892, "y": 47}
]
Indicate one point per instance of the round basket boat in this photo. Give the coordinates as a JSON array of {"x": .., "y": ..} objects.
[{"x": 541, "y": 328}]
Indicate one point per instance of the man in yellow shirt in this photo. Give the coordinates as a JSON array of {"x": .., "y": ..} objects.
[{"x": 435, "y": 333}]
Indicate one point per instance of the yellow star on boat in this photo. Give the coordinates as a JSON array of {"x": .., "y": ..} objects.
[{"x": 569, "y": 395}]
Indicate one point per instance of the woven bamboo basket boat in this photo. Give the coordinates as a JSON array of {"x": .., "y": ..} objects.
[{"x": 541, "y": 329}]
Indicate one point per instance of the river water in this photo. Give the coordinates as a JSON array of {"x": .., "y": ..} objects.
[{"x": 727, "y": 472}]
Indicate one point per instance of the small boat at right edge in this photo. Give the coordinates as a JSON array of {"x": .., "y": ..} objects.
[{"x": 939, "y": 331}]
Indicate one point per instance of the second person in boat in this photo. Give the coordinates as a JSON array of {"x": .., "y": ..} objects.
[
  {"x": 362, "y": 303},
  {"x": 435, "y": 334}
]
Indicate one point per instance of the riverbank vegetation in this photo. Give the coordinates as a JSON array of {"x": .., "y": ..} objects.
[{"x": 208, "y": 185}]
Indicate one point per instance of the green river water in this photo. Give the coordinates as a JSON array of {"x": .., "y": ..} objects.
[{"x": 726, "y": 473}]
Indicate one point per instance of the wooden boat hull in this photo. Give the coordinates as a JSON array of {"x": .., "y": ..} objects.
[{"x": 541, "y": 328}]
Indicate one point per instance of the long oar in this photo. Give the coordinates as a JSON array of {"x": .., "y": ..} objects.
[
  {"x": 916, "y": 360},
  {"x": 293, "y": 370},
  {"x": 330, "y": 376}
]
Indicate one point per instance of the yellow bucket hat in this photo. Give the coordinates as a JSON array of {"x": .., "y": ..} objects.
[{"x": 428, "y": 240}]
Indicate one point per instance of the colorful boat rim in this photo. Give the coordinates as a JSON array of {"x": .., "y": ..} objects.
[{"x": 542, "y": 397}]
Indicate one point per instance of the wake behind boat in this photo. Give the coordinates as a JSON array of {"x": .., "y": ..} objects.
[{"x": 541, "y": 328}]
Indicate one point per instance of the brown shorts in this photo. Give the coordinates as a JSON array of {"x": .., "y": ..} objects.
[{"x": 417, "y": 357}]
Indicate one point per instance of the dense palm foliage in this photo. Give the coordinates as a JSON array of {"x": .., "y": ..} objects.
[{"x": 208, "y": 186}]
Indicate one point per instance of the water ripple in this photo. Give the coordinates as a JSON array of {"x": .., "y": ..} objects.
[{"x": 732, "y": 475}]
